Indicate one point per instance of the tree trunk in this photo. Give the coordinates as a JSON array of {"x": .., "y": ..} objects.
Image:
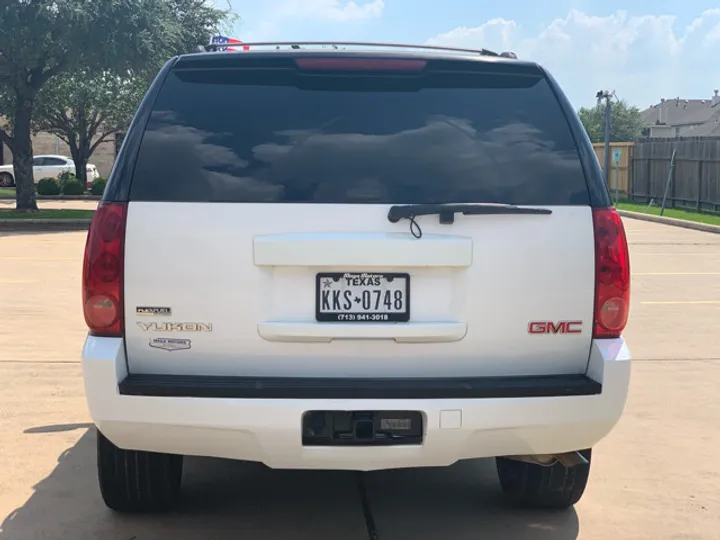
[
  {"x": 82, "y": 164},
  {"x": 81, "y": 155},
  {"x": 23, "y": 156},
  {"x": 81, "y": 171}
]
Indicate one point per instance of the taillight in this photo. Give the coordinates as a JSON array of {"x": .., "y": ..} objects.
[
  {"x": 612, "y": 274},
  {"x": 361, "y": 64},
  {"x": 103, "y": 271}
]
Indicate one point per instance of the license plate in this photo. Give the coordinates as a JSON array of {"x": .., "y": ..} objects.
[{"x": 362, "y": 297}]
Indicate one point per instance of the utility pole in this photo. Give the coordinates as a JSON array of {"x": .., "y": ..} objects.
[{"x": 607, "y": 96}]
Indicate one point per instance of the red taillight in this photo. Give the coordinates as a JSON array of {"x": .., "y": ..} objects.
[
  {"x": 612, "y": 274},
  {"x": 362, "y": 64},
  {"x": 103, "y": 271}
]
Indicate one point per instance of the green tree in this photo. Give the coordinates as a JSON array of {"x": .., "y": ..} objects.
[
  {"x": 84, "y": 110},
  {"x": 626, "y": 122},
  {"x": 41, "y": 39}
]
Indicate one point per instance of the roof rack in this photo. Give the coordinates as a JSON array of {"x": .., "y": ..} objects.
[{"x": 213, "y": 47}]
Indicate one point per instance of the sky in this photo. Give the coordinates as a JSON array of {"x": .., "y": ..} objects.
[{"x": 654, "y": 49}]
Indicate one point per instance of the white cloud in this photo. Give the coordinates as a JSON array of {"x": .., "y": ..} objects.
[
  {"x": 333, "y": 10},
  {"x": 643, "y": 58}
]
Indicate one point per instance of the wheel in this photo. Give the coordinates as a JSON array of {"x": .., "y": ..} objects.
[
  {"x": 6, "y": 180},
  {"x": 135, "y": 481},
  {"x": 537, "y": 486}
]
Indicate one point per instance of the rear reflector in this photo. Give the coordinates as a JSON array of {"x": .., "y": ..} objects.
[
  {"x": 103, "y": 271},
  {"x": 361, "y": 64},
  {"x": 612, "y": 274}
]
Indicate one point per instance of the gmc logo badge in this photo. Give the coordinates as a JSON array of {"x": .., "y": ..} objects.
[{"x": 560, "y": 327}]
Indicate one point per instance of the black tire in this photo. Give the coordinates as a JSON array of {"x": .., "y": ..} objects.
[
  {"x": 535, "y": 486},
  {"x": 133, "y": 481},
  {"x": 6, "y": 180}
]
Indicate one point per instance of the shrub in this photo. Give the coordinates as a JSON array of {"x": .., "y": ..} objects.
[
  {"x": 64, "y": 177},
  {"x": 98, "y": 186},
  {"x": 72, "y": 186},
  {"x": 48, "y": 186}
]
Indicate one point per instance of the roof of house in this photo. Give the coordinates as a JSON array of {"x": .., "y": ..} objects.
[
  {"x": 677, "y": 112},
  {"x": 708, "y": 129}
]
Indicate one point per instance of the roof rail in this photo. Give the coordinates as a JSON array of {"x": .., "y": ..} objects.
[{"x": 213, "y": 47}]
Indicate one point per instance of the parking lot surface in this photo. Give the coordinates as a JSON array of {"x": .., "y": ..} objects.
[
  {"x": 9, "y": 204},
  {"x": 657, "y": 476}
]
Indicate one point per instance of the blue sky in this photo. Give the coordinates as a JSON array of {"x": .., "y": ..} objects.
[{"x": 655, "y": 49}]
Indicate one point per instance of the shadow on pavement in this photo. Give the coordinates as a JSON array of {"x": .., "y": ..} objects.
[
  {"x": 462, "y": 502},
  {"x": 58, "y": 428},
  {"x": 223, "y": 500},
  {"x": 230, "y": 500}
]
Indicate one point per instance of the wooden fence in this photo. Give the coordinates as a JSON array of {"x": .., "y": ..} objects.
[
  {"x": 620, "y": 171},
  {"x": 696, "y": 181}
]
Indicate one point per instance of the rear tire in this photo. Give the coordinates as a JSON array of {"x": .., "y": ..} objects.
[
  {"x": 535, "y": 486},
  {"x": 6, "y": 180},
  {"x": 134, "y": 481}
]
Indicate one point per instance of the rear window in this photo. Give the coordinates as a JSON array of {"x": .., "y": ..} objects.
[{"x": 281, "y": 137}]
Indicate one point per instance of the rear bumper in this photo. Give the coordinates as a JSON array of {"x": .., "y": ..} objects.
[
  {"x": 358, "y": 389},
  {"x": 245, "y": 419}
]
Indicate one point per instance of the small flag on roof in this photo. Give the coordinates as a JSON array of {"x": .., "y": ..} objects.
[{"x": 228, "y": 41}]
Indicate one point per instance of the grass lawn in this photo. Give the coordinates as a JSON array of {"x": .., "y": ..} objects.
[
  {"x": 7, "y": 191},
  {"x": 47, "y": 214},
  {"x": 687, "y": 215}
]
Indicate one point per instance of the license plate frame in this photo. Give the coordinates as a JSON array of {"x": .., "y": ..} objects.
[{"x": 363, "y": 316}]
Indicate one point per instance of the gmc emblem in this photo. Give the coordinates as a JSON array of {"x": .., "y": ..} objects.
[{"x": 560, "y": 327}]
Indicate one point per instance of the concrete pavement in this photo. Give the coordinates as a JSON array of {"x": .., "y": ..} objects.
[
  {"x": 9, "y": 204},
  {"x": 656, "y": 476}
]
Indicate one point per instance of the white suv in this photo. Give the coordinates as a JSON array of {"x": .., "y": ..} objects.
[
  {"x": 47, "y": 166},
  {"x": 354, "y": 259}
]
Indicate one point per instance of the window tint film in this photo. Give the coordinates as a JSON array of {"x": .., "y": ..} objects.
[{"x": 253, "y": 136}]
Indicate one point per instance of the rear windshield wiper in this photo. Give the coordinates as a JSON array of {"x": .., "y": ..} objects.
[{"x": 446, "y": 212}]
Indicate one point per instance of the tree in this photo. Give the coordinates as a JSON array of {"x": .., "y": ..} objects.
[
  {"x": 84, "y": 109},
  {"x": 41, "y": 39},
  {"x": 626, "y": 122}
]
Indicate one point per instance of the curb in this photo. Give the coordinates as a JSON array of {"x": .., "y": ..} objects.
[
  {"x": 30, "y": 225},
  {"x": 57, "y": 197},
  {"x": 704, "y": 227}
]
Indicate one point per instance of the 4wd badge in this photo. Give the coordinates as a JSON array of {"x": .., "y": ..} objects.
[
  {"x": 153, "y": 311},
  {"x": 170, "y": 344}
]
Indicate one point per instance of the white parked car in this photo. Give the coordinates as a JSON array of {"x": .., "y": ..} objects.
[
  {"x": 359, "y": 260},
  {"x": 46, "y": 166}
]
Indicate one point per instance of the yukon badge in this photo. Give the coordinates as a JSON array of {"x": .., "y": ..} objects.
[
  {"x": 170, "y": 344},
  {"x": 175, "y": 327}
]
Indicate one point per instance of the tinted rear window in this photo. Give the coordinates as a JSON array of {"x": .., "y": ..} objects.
[{"x": 250, "y": 136}]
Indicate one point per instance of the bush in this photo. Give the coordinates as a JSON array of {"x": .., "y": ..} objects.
[
  {"x": 98, "y": 186},
  {"x": 48, "y": 186},
  {"x": 72, "y": 186},
  {"x": 66, "y": 176}
]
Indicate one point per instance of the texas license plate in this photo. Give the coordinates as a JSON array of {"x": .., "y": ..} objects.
[{"x": 362, "y": 297}]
